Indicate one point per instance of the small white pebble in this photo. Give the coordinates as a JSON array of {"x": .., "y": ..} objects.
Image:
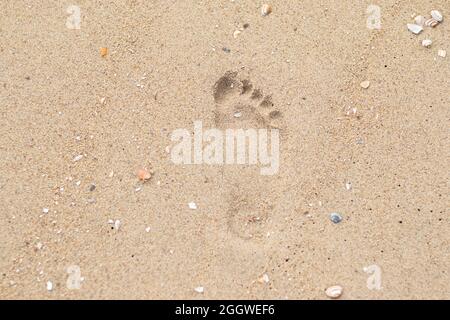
[
  {"x": 117, "y": 224},
  {"x": 348, "y": 185},
  {"x": 78, "y": 158},
  {"x": 442, "y": 53},
  {"x": 427, "y": 43},
  {"x": 192, "y": 205},
  {"x": 265, "y": 278},
  {"x": 199, "y": 289},
  {"x": 49, "y": 286},
  {"x": 45, "y": 210},
  {"x": 147, "y": 229},
  {"x": 365, "y": 84},
  {"x": 334, "y": 292},
  {"x": 39, "y": 245}
]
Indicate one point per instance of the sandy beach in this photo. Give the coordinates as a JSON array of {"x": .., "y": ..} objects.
[{"x": 95, "y": 207}]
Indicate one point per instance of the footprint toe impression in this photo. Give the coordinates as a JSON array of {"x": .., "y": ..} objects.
[{"x": 239, "y": 105}]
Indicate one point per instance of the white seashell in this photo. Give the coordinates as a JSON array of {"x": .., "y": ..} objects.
[
  {"x": 264, "y": 278},
  {"x": 199, "y": 289},
  {"x": 49, "y": 286},
  {"x": 414, "y": 28},
  {"x": 365, "y": 84},
  {"x": 427, "y": 43},
  {"x": 420, "y": 20},
  {"x": 442, "y": 53},
  {"x": 192, "y": 205},
  {"x": 431, "y": 23},
  {"x": 78, "y": 158},
  {"x": 236, "y": 34},
  {"x": 266, "y": 9},
  {"x": 334, "y": 292},
  {"x": 437, "y": 16}
]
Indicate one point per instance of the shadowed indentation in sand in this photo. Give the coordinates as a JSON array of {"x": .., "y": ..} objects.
[{"x": 239, "y": 105}]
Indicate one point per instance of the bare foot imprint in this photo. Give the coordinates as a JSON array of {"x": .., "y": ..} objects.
[{"x": 239, "y": 105}]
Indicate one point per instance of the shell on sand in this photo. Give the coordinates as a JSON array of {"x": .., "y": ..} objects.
[
  {"x": 420, "y": 20},
  {"x": 144, "y": 174},
  {"x": 436, "y": 15},
  {"x": 266, "y": 9},
  {"x": 442, "y": 53},
  {"x": 431, "y": 23},
  {"x": 334, "y": 292},
  {"x": 427, "y": 43},
  {"x": 199, "y": 289},
  {"x": 365, "y": 84},
  {"x": 414, "y": 28}
]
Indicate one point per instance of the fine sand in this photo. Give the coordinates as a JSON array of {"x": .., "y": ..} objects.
[{"x": 378, "y": 156}]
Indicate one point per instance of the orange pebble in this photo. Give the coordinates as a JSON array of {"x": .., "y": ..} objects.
[
  {"x": 103, "y": 52},
  {"x": 144, "y": 174}
]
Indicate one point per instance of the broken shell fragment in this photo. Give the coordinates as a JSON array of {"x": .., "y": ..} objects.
[
  {"x": 348, "y": 185},
  {"x": 420, "y": 20},
  {"x": 442, "y": 53},
  {"x": 192, "y": 205},
  {"x": 199, "y": 289},
  {"x": 334, "y": 292},
  {"x": 335, "y": 217},
  {"x": 236, "y": 34},
  {"x": 437, "y": 16},
  {"x": 264, "y": 278},
  {"x": 427, "y": 43},
  {"x": 431, "y": 23},
  {"x": 414, "y": 28},
  {"x": 266, "y": 9},
  {"x": 365, "y": 84},
  {"x": 78, "y": 158},
  {"x": 144, "y": 174}
]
